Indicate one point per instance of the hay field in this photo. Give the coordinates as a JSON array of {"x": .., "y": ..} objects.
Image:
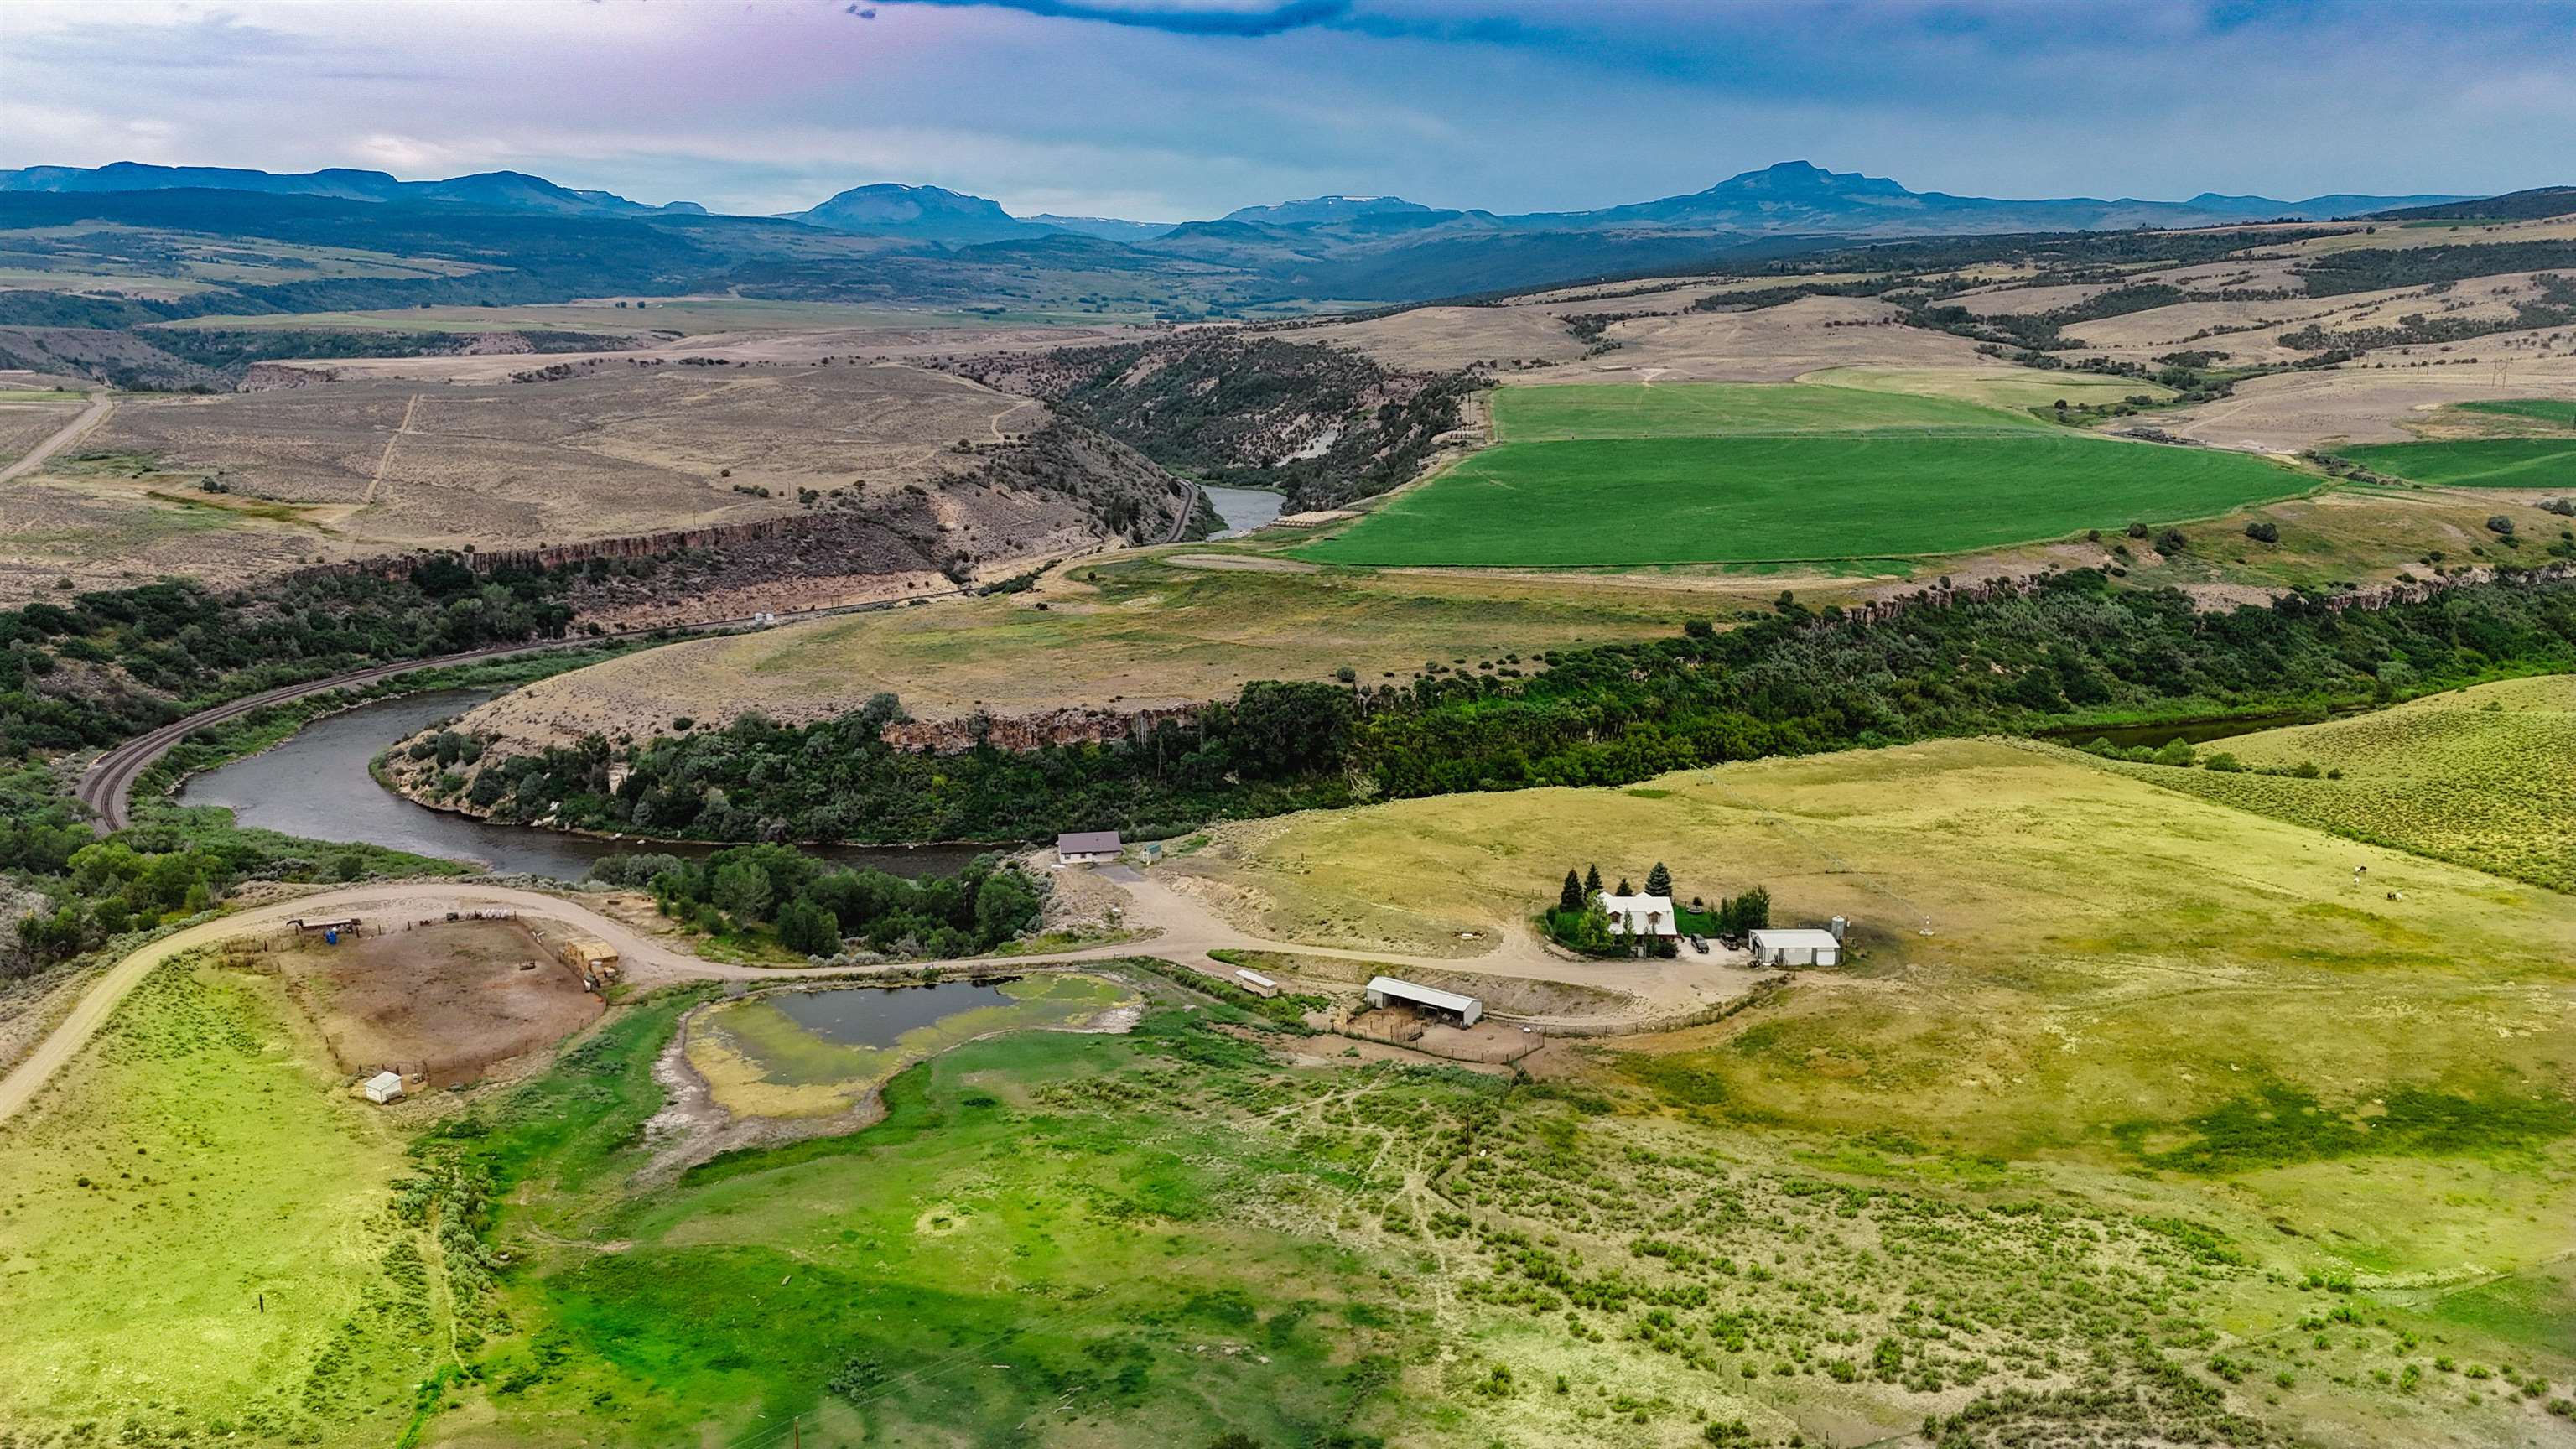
[
  {"x": 194, "y": 1239},
  {"x": 1130, "y": 635},
  {"x": 2109, "y": 962},
  {"x": 2476, "y": 462},
  {"x": 2007, "y": 388},
  {"x": 1717, "y": 473},
  {"x": 2291, "y": 412},
  {"x": 2484, "y": 777},
  {"x": 356, "y": 469}
]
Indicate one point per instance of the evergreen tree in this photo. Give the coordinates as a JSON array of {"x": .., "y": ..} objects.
[
  {"x": 1623, "y": 887},
  {"x": 1570, "y": 898},
  {"x": 1592, "y": 881},
  {"x": 1659, "y": 881}
]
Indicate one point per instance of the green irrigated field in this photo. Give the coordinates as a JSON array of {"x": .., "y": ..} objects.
[
  {"x": 2475, "y": 462},
  {"x": 1577, "y": 411},
  {"x": 2552, "y": 411},
  {"x": 1745, "y": 473},
  {"x": 2485, "y": 777}
]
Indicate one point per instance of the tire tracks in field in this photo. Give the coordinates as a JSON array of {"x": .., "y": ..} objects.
[{"x": 376, "y": 480}]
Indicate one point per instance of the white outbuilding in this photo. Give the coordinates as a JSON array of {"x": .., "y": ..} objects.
[
  {"x": 384, "y": 1087},
  {"x": 1387, "y": 991},
  {"x": 1802, "y": 947}
]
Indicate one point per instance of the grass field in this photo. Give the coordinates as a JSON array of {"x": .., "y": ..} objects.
[
  {"x": 2554, "y": 412},
  {"x": 1993, "y": 387},
  {"x": 1123, "y": 635},
  {"x": 2475, "y": 462},
  {"x": 1720, "y": 473},
  {"x": 2485, "y": 777},
  {"x": 194, "y": 1236},
  {"x": 2110, "y": 964}
]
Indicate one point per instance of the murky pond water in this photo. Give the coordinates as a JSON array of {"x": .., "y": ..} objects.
[
  {"x": 875, "y": 1017},
  {"x": 316, "y": 785},
  {"x": 1243, "y": 509}
]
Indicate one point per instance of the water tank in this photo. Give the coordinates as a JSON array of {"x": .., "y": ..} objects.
[{"x": 1840, "y": 927}]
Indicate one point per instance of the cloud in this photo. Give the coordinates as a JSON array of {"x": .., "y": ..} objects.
[{"x": 1183, "y": 18}]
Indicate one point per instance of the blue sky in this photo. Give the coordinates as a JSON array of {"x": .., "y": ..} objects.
[{"x": 1166, "y": 109}]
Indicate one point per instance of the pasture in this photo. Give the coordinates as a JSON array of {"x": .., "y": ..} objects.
[
  {"x": 1131, "y": 634},
  {"x": 2111, "y": 970},
  {"x": 195, "y": 1239},
  {"x": 2484, "y": 777},
  {"x": 1719, "y": 473},
  {"x": 2546, "y": 462},
  {"x": 2549, "y": 412}
]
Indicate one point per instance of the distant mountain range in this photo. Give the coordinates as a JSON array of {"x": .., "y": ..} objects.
[
  {"x": 897, "y": 243},
  {"x": 1791, "y": 198},
  {"x": 488, "y": 190}
]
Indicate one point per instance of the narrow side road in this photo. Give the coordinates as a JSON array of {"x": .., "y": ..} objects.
[{"x": 100, "y": 405}]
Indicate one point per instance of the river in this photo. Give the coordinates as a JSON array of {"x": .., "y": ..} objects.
[
  {"x": 1243, "y": 509},
  {"x": 316, "y": 785}
]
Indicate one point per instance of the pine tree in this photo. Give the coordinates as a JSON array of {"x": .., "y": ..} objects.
[
  {"x": 1623, "y": 887},
  {"x": 1592, "y": 881},
  {"x": 1570, "y": 898},
  {"x": 1659, "y": 881}
]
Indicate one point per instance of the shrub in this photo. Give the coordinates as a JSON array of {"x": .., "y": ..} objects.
[{"x": 2263, "y": 530}]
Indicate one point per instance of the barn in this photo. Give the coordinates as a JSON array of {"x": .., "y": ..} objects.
[
  {"x": 1796, "y": 948},
  {"x": 1430, "y": 1001}
]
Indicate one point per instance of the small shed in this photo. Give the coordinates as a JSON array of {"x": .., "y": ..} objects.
[
  {"x": 1256, "y": 983},
  {"x": 1086, "y": 847},
  {"x": 1387, "y": 991},
  {"x": 383, "y": 1087},
  {"x": 1805, "y": 947},
  {"x": 319, "y": 925}
]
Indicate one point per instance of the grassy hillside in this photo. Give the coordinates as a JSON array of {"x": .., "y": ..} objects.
[
  {"x": 2485, "y": 777},
  {"x": 1720, "y": 473},
  {"x": 198, "y": 1238}
]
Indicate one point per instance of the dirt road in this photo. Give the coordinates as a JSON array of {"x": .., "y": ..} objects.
[
  {"x": 1182, "y": 930},
  {"x": 100, "y": 405}
]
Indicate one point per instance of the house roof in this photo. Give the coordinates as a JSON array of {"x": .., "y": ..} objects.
[
  {"x": 1641, "y": 914},
  {"x": 1086, "y": 841},
  {"x": 1421, "y": 995},
  {"x": 1797, "y": 940}
]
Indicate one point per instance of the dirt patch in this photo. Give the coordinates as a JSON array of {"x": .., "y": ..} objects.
[{"x": 446, "y": 1001}]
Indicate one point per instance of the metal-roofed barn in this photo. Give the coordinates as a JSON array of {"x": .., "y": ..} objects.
[
  {"x": 1803, "y": 947},
  {"x": 1386, "y": 991}
]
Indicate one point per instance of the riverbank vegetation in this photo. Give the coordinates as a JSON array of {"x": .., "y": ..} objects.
[
  {"x": 778, "y": 894},
  {"x": 2075, "y": 651}
]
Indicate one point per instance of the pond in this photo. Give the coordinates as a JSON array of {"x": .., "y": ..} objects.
[
  {"x": 1243, "y": 509},
  {"x": 817, "y": 1053},
  {"x": 316, "y": 785}
]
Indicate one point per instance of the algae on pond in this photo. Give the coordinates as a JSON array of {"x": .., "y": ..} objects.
[{"x": 819, "y": 1053}]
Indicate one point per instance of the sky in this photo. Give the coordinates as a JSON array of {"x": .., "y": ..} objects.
[{"x": 1166, "y": 110}]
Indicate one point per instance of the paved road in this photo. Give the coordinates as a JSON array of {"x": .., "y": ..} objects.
[
  {"x": 1185, "y": 931},
  {"x": 100, "y": 405},
  {"x": 106, "y": 790}
]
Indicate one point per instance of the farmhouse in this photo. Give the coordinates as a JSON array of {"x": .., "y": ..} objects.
[
  {"x": 1085, "y": 847},
  {"x": 383, "y": 1087},
  {"x": 1796, "y": 948},
  {"x": 1640, "y": 917},
  {"x": 1431, "y": 1001}
]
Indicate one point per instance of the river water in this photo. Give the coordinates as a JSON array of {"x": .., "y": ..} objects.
[
  {"x": 316, "y": 785},
  {"x": 1243, "y": 509}
]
